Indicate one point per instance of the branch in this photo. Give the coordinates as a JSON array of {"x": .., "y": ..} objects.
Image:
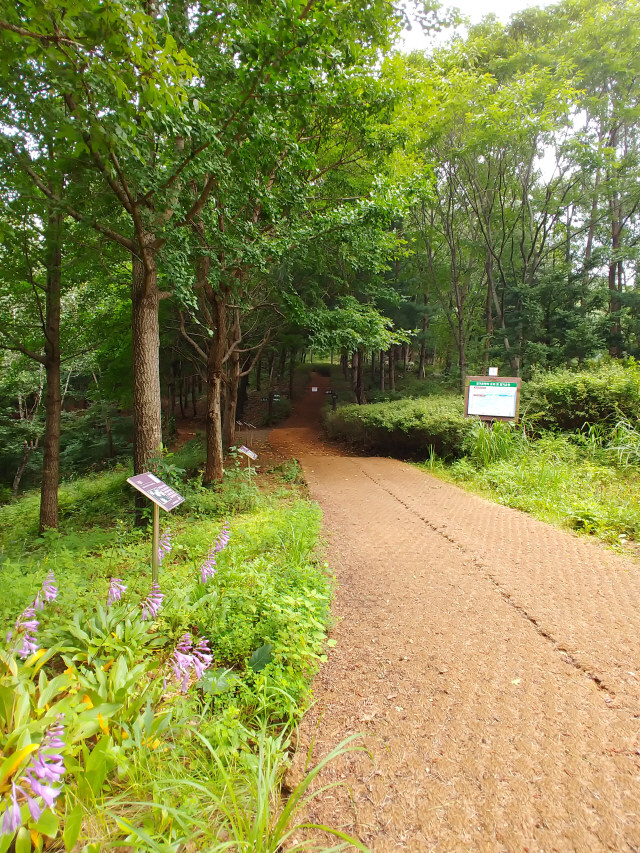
[
  {"x": 102, "y": 229},
  {"x": 22, "y": 349},
  {"x": 5, "y": 25}
]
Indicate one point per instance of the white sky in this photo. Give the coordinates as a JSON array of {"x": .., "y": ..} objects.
[{"x": 473, "y": 9}]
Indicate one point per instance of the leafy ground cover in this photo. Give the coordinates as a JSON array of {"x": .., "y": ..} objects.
[{"x": 150, "y": 717}]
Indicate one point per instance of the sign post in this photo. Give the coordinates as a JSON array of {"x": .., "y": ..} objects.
[
  {"x": 492, "y": 398},
  {"x": 250, "y": 454},
  {"x": 162, "y": 496}
]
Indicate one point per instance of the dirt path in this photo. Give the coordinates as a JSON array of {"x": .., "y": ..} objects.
[{"x": 492, "y": 661}]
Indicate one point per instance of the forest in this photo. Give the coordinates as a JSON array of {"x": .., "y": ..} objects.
[{"x": 201, "y": 199}]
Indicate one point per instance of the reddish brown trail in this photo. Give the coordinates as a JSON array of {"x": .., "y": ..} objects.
[{"x": 492, "y": 662}]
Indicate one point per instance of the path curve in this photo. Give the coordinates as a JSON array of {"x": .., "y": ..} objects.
[{"x": 491, "y": 659}]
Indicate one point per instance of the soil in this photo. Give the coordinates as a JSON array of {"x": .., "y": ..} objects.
[{"x": 490, "y": 661}]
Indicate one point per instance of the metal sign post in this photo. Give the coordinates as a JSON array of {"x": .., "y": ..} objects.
[
  {"x": 162, "y": 496},
  {"x": 250, "y": 454}
]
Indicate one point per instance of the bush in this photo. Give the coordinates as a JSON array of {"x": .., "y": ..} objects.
[
  {"x": 566, "y": 400},
  {"x": 406, "y": 428}
]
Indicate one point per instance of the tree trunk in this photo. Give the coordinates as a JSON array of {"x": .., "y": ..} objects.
[
  {"x": 28, "y": 448},
  {"x": 488, "y": 320},
  {"x": 271, "y": 361},
  {"x": 214, "y": 468},
  {"x": 258, "y": 373},
  {"x": 373, "y": 365},
  {"x": 147, "y": 414},
  {"x": 382, "y": 370},
  {"x": 392, "y": 368},
  {"x": 233, "y": 378},
  {"x": 354, "y": 370},
  {"x": 360, "y": 377},
  {"x": 53, "y": 400}
]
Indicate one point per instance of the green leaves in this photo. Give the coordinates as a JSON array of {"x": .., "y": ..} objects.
[{"x": 261, "y": 657}]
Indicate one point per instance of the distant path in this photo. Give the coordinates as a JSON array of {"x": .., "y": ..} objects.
[{"x": 494, "y": 662}]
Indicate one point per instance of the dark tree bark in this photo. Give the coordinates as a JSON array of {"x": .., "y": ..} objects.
[
  {"x": 147, "y": 415},
  {"x": 360, "y": 398},
  {"x": 53, "y": 399},
  {"x": 392, "y": 368},
  {"x": 214, "y": 469},
  {"x": 27, "y": 450},
  {"x": 233, "y": 379},
  {"x": 382, "y": 370}
]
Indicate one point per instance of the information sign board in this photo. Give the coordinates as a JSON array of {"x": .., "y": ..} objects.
[
  {"x": 156, "y": 491},
  {"x": 314, "y": 387},
  {"x": 248, "y": 452},
  {"x": 492, "y": 398}
]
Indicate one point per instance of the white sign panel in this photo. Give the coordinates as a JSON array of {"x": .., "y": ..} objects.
[
  {"x": 493, "y": 399},
  {"x": 314, "y": 388},
  {"x": 247, "y": 452}
]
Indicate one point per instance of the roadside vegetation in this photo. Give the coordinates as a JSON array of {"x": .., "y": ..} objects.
[
  {"x": 573, "y": 460},
  {"x": 158, "y": 716}
]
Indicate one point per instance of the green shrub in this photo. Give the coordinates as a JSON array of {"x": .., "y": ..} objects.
[
  {"x": 566, "y": 400},
  {"x": 406, "y": 428}
]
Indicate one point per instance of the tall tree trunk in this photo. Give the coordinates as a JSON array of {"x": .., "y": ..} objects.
[
  {"x": 354, "y": 370},
  {"x": 488, "y": 319},
  {"x": 382, "y": 370},
  {"x": 233, "y": 379},
  {"x": 392, "y": 368},
  {"x": 615, "y": 282},
  {"x": 214, "y": 469},
  {"x": 373, "y": 365},
  {"x": 258, "y": 373},
  {"x": 53, "y": 400},
  {"x": 272, "y": 362},
  {"x": 360, "y": 377},
  {"x": 147, "y": 414}
]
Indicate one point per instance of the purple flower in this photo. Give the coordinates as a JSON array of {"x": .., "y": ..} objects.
[
  {"x": 202, "y": 657},
  {"x": 49, "y": 588},
  {"x": 223, "y": 539},
  {"x": 165, "y": 545},
  {"x": 27, "y": 625},
  {"x": 152, "y": 602},
  {"x": 208, "y": 568},
  {"x": 182, "y": 660},
  {"x": 116, "y": 588},
  {"x": 12, "y": 820},
  {"x": 187, "y": 658},
  {"x": 49, "y": 591}
]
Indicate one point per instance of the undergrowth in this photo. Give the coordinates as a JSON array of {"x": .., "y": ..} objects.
[{"x": 147, "y": 766}]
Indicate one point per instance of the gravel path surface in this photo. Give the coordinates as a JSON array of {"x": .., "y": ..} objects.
[{"x": 492, "y": 662}]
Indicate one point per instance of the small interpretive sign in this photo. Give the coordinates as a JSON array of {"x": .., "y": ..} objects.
[
  {"x": 492, "y": 398},
  {"x": 247, "y": 452},
  {"x": 157, "y": 491},
  {"x": 314, "y": 387}
]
